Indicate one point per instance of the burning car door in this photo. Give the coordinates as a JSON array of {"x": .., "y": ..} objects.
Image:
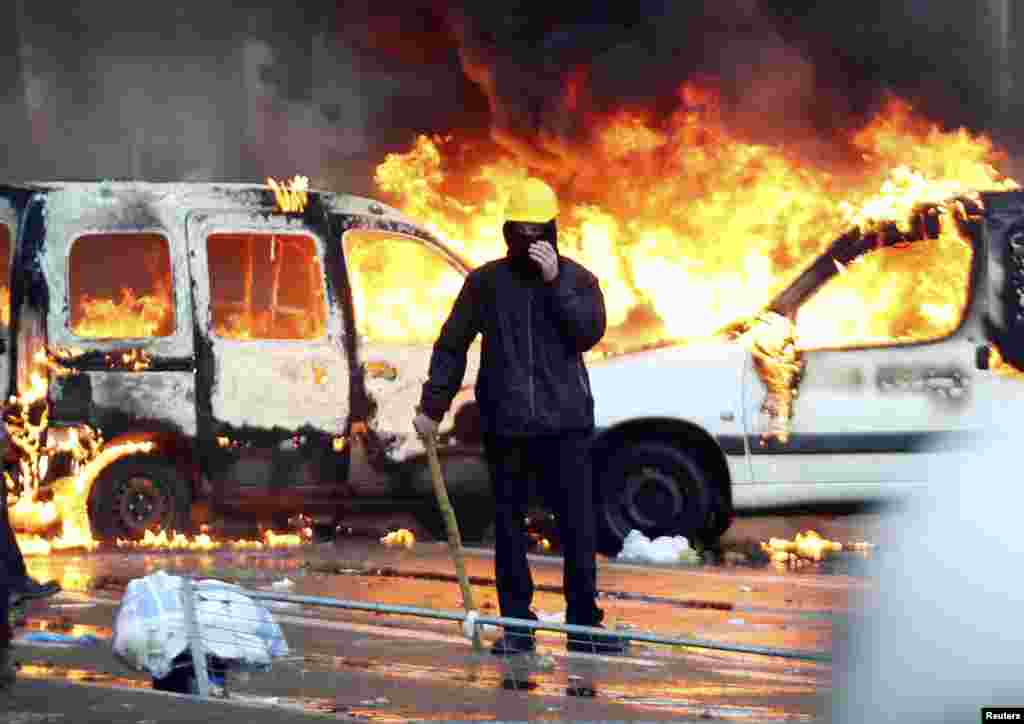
[
  {"x": 273, "y": 376},
  {"x": 880, "y": 360},
  {"x": 403, "y": 289}
]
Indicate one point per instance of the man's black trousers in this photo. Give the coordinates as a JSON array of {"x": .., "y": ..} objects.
[
  {"x": 559, "y": 467},
  {"x": 12, "y": 564}
]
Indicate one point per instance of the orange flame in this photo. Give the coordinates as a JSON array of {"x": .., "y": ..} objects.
[
  {"x": 807, "y": 546},
  {"x": 291, "y": 196},
  {"x": 203, "y": 542},
  {"x": 130, "y": 317},
  {"x": 687, "y": 224}
]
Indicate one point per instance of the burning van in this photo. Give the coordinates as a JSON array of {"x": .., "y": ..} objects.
[
  {"x": 899, "y": 342},
  {"x": 178, "y": 353}
]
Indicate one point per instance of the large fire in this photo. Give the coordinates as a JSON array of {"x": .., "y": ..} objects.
[{"x": 689, "y": 226}]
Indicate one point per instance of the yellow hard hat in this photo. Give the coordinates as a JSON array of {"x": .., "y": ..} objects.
[{"x": 532, "y": 201}]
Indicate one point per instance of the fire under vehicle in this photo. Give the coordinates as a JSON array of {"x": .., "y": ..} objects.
[{"x": 896, "y": 345}]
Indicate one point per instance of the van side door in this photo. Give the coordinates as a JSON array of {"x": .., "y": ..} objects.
[
  {"x": 273, "y": 377},
  {"x": 403, "y": 290}
]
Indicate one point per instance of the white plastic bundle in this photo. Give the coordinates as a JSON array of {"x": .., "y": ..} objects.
[
  {"x": 638, "y": 547},
  {"x": 150, "y": 629}
]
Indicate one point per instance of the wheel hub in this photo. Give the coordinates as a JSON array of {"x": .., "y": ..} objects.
[
  {"x": 140, "y": 503},
  {"x": 652, "y": 498}
]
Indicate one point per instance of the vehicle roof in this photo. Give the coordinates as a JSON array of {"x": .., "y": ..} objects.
[{"x": 242, "y": 193}]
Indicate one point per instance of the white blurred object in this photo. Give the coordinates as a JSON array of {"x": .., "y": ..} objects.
[
  {"x": 638, "y": 547},
  {"x": 557, "y": 617},
  {"x": 283, "y": 585},
  {"x": 150, "y": 631},
  {"x": 943, "y": 638}
]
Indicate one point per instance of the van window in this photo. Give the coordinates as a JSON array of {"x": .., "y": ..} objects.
[
  {"x": 5, "y": 276},
  {"x": 402, "y": 289},
  {"x": 266, "y": 286},
  {"x": 894, "y": 295},
  {"x": 120, "y": 286}
]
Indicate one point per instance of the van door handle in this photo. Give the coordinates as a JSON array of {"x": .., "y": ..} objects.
[
  {"x": 380, "y": 369},
  {"x": 945, "y": 383}
]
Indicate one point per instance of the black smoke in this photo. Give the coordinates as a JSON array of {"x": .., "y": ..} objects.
[
  {"x": 787, "y": 69},
  {"x": 239, "y": 89}
]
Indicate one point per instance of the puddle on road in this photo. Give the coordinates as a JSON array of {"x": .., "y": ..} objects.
[
  {"x": 86, "y": 676},
  {"x": 83, "y": 676},
  {"x": 718, "y": 712},
  {"x": 586, "y": 678},
  {"x": 67, "y": 629}
]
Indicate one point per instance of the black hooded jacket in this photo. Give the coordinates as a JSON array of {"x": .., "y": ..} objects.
[{"x": 532, "y": 378}]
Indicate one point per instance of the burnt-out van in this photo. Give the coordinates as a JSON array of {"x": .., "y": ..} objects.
[{"x": 210, "y": 356}]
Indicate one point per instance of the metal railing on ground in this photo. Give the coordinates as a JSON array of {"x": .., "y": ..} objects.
[{"x": 232, "y": 629}]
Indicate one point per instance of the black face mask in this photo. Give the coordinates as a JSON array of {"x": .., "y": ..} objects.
[{"x": 519, "y": 235}]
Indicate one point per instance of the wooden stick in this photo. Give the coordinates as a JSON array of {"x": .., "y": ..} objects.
[{"x": 452, "y": 525}]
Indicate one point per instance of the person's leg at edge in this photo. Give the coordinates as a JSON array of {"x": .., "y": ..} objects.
[
  {"x": 506, "y": 462},
  {"x": 7, "y": 670},
  {"x": 12, "y": 563}
]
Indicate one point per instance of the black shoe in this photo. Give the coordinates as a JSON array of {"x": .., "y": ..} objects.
[
  {"x": 607, "y": 644},
  {"x": 515, "y": 642},
  {"x": 8, "y": 670},
  {"x": 31, "y": 589}
]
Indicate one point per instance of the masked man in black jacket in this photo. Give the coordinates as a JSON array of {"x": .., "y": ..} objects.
[{"x": 538, "y": 313}]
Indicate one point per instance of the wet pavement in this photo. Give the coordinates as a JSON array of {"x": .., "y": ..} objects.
[{"x": 391, "y": 668}]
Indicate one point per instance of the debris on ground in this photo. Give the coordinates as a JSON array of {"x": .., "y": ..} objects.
[
  {"x": 103, "y": 582},
  {"x": 379, "y": 701},
  {"x": 333, "y": 567},
  {"x": 285, "y": 585},
  {"x": 63, "y": 623},
  {"x": 47, "y": 637},
  {"x": 150, "y": 629},
  {"x": 807, "y": 546},
  {"x": 402, "y": 537},
  {"x": 639, "y": 548},
  {"x": 557, "y": 617},
  {"x": 862, "y": 547}
]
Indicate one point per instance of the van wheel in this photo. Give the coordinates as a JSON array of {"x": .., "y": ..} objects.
[
  {"x": 651, "y": 487},
  {"x": 137, "y": 494}
]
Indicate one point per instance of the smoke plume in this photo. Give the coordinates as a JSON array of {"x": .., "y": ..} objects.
[
  {"x": 241, "y": 90},
  {"x": 786, "y": 69}
]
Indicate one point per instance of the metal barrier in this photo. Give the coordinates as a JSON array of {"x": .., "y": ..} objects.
[
  {"x": 233, "y": 628},
  {"x": 471, "y": 621}
]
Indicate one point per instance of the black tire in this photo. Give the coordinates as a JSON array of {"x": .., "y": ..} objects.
[
  {"x": 137, "y": 494},
  {"x": 651, "y": 487},
  {"x": 474, "y": 514}
]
